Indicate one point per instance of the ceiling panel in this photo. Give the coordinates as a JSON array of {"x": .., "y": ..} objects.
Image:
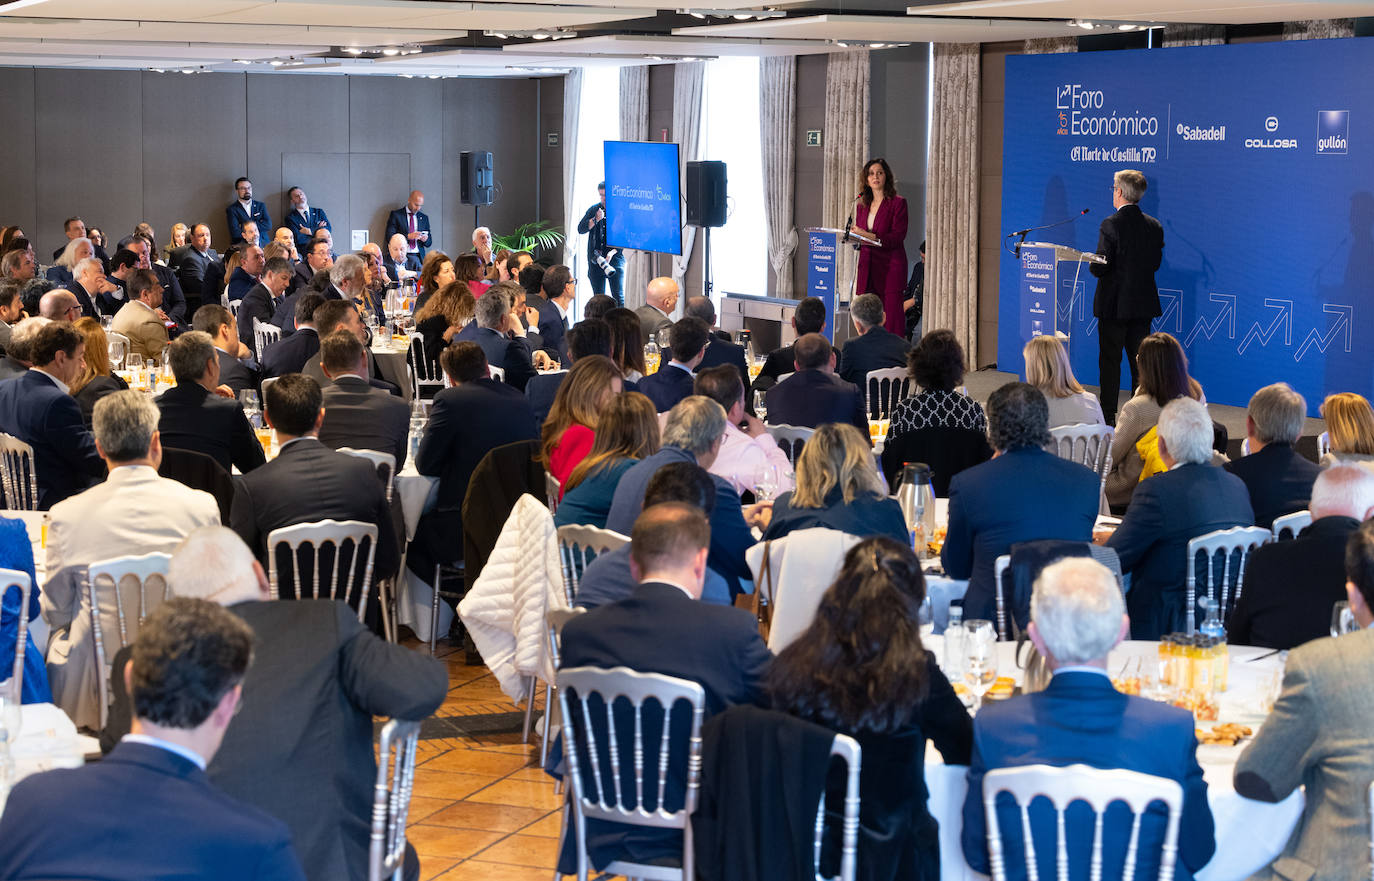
[
  {"x": 647, "y": 49},
  {"x": 1182, "y": 11},
  {"x": 882, "y": 28}
]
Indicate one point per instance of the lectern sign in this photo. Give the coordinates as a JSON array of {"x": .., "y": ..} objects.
[
  {"x": 1037, "y": 291},
  {"x": 820, "y": 272}
]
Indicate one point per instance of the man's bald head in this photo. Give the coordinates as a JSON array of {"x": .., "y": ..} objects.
[
  {"x": 662, "y": 294},
  {"x": 416, "y": 200},
  {"x": 59, "y": 305},
  {"x": 396, "y": 246}
]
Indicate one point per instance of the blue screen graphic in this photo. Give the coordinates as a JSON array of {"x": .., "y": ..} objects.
[
  {"x": 643, "y": 209},
  {"x": 1258, "y": 159}
]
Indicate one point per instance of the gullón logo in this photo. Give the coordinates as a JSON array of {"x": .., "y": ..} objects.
[{"x": 1333, "y": 132}]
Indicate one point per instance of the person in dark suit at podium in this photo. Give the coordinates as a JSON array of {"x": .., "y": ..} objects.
[
  {"x": 875, "y": 347},
  {"x": 1126, "y": 298},
  {"x": 814, "y": 394}
]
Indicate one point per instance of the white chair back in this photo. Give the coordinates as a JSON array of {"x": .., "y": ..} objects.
[
  {"x": 1099, "y": 788},
  {"x": 578, "y": 545},
  {"x": 126, "y": 583},
  {"x": 385, "y": 464},
  {"x": 391, "y": 800},
  {"x": 551, "y": 490},
  {"x": 884, "y": 389},
  {"x": 497, "y": 373},
  {"x": 1223, "y": 543},
  {"x": 14, "y": 578},
  {"x": 18, "y": 474},
  {"x": 1323, "y": 444},
  {"x": 790, "y": 439},
  {"x": 264, "y": 335},
  {"x": 231, "y": 305},
  {"x": 782, "y": 377},
  {"x": 1289, "y": 525},
  {"x": 424, "y": 373},
  {"x": 338, "y": 536},
  {"x": 608, "y": 795},
  {"x": 266, "y": 381},
  {"x": 1087, "y": 444},
  {"x": 848, "y": 749}
]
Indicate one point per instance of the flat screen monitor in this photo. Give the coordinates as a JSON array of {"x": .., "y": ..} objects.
[{"x": 643, "y": 202}]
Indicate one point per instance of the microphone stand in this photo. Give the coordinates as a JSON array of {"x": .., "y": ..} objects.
[{"x": 1016, "y": 249}]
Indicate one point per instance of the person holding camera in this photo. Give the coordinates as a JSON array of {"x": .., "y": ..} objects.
[{"x": 603, "y": 263}]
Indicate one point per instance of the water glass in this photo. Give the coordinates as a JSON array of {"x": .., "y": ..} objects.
[
  {"x": 1342, "y": 619},
  {"x": 249, "y": 399},
  {"x": 761, "y": 404},
  {"x": 134, "y": 362},
  {"x": 11, "y": 718},
  {"x": 117, "y": 352},
  {"x": 765, "y": 482},
  {"x": 663, "y": 340},
  {"x": 980, "y": 658},
  {"x": 925, "y": 618}
]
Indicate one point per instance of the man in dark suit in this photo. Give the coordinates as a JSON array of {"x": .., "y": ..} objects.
[
  {"x": 412, "y": 223},
  {"x": 291, "y": 353},
  {"x": 303, "y": 221},
  {"x": 263, "y": 299},
  {"x": 192, "y": 261},
  {"x": 808, "y": 317},
  {"x": 36, "y": 408},
  {"x": 673, "y": 381},
  {"x": 660, "y": 299},
  {"x": 189, "y": 661},
  {"x": 1080, "y": 718},
  {"x": 1192, "y": 498},
  {"x": 357, "y": 415},
  {"x": 247, "y": 273},
  {"x": 559, "y": 288},
  {"x": 197, "y": 416},
  {"x": 246, "y": 208},
  {"x": 476, "y": 415},
  {"x": 315, "y": 257},
  {"x": 496, "y": 323},
  {"x": 1290, "y": 586},
  {"x": 1278, "y": 477},
  {"x": 662, "y": 628},
  {"x": 399, "y": 263},
  {"x": 330, "y": 316},
  {"x": 1127, "y": 298},
  {"x": 308, "y": 482},
  {"x": 874, "y": 347},
  {"x": 1022, "y": 494},
  {"x": 591, "y": 336},
  {"x": 173, "y": 300},
  {"x": 719, "y": 349},
  {"x": 814, "y": 395},
  {"x": 236, "y": 367}
]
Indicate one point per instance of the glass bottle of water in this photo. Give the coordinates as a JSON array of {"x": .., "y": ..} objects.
[
  {"x": 417, "y": 428},
  {"x": 954, "y": 642}
]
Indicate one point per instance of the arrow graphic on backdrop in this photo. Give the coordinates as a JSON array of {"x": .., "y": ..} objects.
[
  {"x": 1344, "y": 316},
  {"x": 1174, "y": 299},
  {"x": 1209, "y": 328},
  {"x": 1285, "y": 318},
  {"x": 1064, "y": 307}
]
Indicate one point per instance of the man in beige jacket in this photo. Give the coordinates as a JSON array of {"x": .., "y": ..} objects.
[{"x": 141, "y": 318}]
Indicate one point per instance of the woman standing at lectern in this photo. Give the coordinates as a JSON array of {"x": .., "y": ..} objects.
[{"x": 882, "y": 270}]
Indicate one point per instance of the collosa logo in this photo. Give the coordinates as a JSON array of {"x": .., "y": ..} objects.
[
  {"x": 1271, "y": 125},
  {"x": 1333, "y": 132}
]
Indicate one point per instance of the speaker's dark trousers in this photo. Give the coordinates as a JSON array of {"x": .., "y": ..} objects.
[
  {"x": 599, "y": 278},
  {"x": 1114, "y": 335}
]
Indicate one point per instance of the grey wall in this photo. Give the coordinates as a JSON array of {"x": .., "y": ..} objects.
[{"x": 119, "y": 147}]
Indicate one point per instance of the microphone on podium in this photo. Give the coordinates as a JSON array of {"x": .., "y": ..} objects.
[{"x": 1016, "y": 250}]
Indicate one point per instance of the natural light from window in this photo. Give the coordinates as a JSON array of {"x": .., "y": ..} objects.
[
  {"x": 598, "y": 121},
  {"x": 730, "y": 132}
]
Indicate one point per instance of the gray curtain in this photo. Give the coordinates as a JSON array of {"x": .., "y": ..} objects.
[
  {"x": 846, "y": 150},
  {"x": 1050, "y": 45},
  {"x": 777, "y": 143},
  {"x": 634, "y": 126},
  {"x": 689, "y": 81},
  {"x": 1319, "y": 29},
  {"x": 1176, "y": 35},
  {"x": 572, "y": 113},
  {"x": 951, "y": 282}
]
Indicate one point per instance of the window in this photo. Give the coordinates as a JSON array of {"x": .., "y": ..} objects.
[
  {"x": 598, "y": 121},
  {"x": 730, "y": 133}
]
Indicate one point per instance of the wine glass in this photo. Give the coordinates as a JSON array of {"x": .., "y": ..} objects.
[
  {"x": 765, "y": 482},
  {"x": 1342, "y": 619},
  {"x": 761, "y": 405},
  {"x": 663, "y": 342},
  {"x": 117, "y": 353},
  {"x": 980, "y": 654},
  {"x": 11, "y": 716},
  {"x": 925, "y": 619},
  {"x": 249, "y": 399},
  {"x": 134, "y": 362}
]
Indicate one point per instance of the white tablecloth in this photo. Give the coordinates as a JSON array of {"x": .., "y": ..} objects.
[
  {"x": 1249, "y": 833},
  {"x": 413, "y": 596},
  {"x": 391, "y": 363}
]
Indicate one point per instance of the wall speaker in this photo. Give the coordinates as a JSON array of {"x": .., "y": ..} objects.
[
  {"x": 476, "y": 183},
  {"x": 706, "y": 193}
]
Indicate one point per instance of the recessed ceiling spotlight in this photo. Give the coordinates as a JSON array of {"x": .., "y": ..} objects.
[
  {"x": 353, "y": 50},
  {"x": 391, "y": 51}
]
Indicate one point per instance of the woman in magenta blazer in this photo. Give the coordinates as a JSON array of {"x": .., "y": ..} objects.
[{"x": 883, "y": 270}]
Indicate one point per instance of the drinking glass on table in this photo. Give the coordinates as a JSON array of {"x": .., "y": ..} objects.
[
  {"x": 925, "y": 619},
  {"x": 761, "y": 404},
  {"x": 134, "y": 362},
  {"x": 765, "y": 482},
  {"x": 1342, "y": 619},
  {"x": 980, "y": 658},
  {"x": 11, "y": 718},
  {"x": 117, "y": 353}
]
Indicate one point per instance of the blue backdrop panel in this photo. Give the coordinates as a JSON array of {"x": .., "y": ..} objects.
[{"x": 1260, "y": 162}]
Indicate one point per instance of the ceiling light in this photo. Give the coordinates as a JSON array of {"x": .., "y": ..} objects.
[
  {"x": 276, "y": 62},
  {"x": 538, "y": 34},
  {"x": 1080, "y": 23},
  {"x": 243, "y": 61},
  {"x": 1127, "y": 27},
  {"x": 736, "y": 14},
  {"x": 390, "y": 51},
  {"x": 353, "y": 50},
  {"x": 16, "y": 5}
]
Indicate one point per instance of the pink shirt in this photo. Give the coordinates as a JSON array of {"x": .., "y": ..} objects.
[{"x": 741, "y": 455}]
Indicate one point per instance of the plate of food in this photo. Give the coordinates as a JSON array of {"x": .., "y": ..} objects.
[{"x": 1223, "y": 734}]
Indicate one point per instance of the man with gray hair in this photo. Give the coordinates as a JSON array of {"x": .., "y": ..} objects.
[
  {"x": 1290, "y": 586},
  {"x": 347, "y": 278},
  {"x": 719, "y": 349},
  {"x": 693, "y": 433},
  {"x": 199, "y": 414},
  {"x": 133, "y": 512},
  {"x": 1278, "y": 477},
  {"x": 873, "y": 347},
  {"x": 11, "y": 310},
  {"x": 1080, "y": 718},
  {"x": 17, "y": 359},
  {"x": 502, "y": 336},
  {"x": 1168, "y": 509}
]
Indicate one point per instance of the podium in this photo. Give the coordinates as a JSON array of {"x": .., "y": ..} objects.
[
  {"x": 822, "y": 266},
  {"x": 1049, "y": 287}
]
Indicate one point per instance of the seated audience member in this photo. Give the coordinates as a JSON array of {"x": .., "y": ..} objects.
[
  {"x": 37, "y": 408},
  {"x": 531, "y": 278},
  {"x": 436, "y": 272},
  {"x": 312, "y": 655},
  {"x": 263, "y": 299},
  {"x": 32, "y": 294},
  {"x": 235, "y": 357},
  {"x": 1024, "y": 493},
  {"x": 808, "y": 317},
  {"x": 16, "y": 553},
  {"x": 20, "y": 267},
  {"x": 347, "y": 279},
  {"x": 1192, "y": 498},
  {"x": 1349, "y": 428},
  {"x": 92, "y": 288},
  {"x": 570, "y": 431},
  {"x": 308, "y": 482},
  {"x": 18, "y": 355},
  {"x": 626, "y": 432},
  {"x": 661, "y": 628},
  {"x": 11, "y": 310},
  {"x": 838, "y": 488},
  {"x": 291, "y": 353},
  {"x": 1278, "y": 477},
  {"x": 1318, "y": 737},
  {"x": 337, "y": 314},
  {"x": 673, "y": 381},
  {"x": 873, "y": 347},
  {"x": 173, "y": 300},
  {"x": 1163, "y": 371},
  {"x": 627, "y": 343},
  {"x": 133, "y": 512},
  {"x": 1080, "y": 718},
  {"x": 199, "y": 415},
  {"x": 192, "y": 262},
  {"x": 59, "y": 305},
  {"x": 814, "y": 395},
  {"x": 860, "y": 669},
  {"x": 496, "y": 322},
  {"x": 357, "y": 415},
  {"x": 185, "y": 679},
  {"x": 693, "y": 434},
  {"x": 1290, "y": 586},
  {"x": 747, "y": 448},
  {"x": 559, "y": 288},
  {"x": 597, "y": 306},
  {"x": 591, "y": 336},
  {"x": 63, "y": 270},
  {"x": 936, "y": 365},
  {"x": 466, "y": 421},
  {"x": 719, "y": 349},
  {"x": 660, "y": 299},
  {"x": 1047, "y": 368},
  {"x": 247, "y": 273},
  {"x": 96, "y": 379},
  {"x": 399, "y": 263},
  {"x": 444, "y": 314},
  {"x": 141, "y": 319}
]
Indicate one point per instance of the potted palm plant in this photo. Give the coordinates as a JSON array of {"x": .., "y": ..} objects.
[{"x": 531, "y": 237}]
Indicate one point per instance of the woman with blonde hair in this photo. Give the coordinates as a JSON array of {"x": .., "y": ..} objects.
[
  {"x": 1349, "y": 428},
  {"x": 626, "y": 432},
  {"x": 838, "y": 487},
  {"x": 443, "y": 315},
  {"x": 96, "y": 379},
  {"x": 177, "y": 238},
  {"x": 570, "y": 430},
  {"x": 1047, "y": 368}
]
